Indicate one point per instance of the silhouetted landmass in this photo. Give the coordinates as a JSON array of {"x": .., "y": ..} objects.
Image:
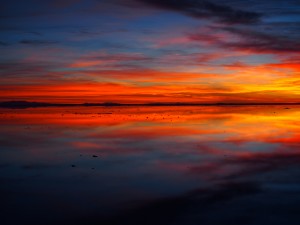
[
  {"x": 27, "y": 104},
  {"x": 103, "y": 104}
]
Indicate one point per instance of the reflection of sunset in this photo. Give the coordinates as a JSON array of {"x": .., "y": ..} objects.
[
  {"x": 227, "y": 124},
  {"x": 205, "y": 132},
  {"x": 116, "y": 150}
]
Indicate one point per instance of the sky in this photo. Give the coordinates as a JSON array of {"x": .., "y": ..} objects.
[{"x": 147, "y": 51}]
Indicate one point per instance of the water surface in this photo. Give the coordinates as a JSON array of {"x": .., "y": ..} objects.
[{"x": 150, "y": 165}]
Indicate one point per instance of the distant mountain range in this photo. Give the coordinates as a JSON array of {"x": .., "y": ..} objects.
[{"x": 27, "y": 104}]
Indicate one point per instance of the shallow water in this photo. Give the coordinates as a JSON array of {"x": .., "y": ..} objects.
[{"x": 150, "y": 165}]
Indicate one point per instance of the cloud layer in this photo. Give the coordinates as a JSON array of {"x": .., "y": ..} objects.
[{"x": 150, "y": 51}]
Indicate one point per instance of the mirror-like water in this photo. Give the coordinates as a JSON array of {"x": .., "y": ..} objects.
[{"x": 150, "y": 165}]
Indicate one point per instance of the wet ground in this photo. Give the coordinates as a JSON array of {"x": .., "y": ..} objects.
[{"x": 150, "y": 165}]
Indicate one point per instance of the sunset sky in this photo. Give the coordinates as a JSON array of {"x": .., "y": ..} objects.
[{"x": 144, "y": 51}]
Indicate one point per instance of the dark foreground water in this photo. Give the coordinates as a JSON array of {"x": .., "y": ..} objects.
[{"x": 150, "y": 165}]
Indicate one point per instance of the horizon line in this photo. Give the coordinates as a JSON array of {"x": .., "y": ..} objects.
[{"x": 33, "y": 104}]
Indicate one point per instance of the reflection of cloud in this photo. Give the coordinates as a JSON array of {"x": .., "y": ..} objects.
[
  {"x": 231, "y": 165},
  {"x": 35, "y": 166},
  {"x": 257, "y": 163},
  {"x": 2, "y": 43},
  {"x": 176, "y": 210}
]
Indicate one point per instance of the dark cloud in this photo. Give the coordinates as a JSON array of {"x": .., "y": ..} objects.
[
  {"x": 121, "y": 57},
  {"x": 37, "y": 42},
  {"x": 28, "y": 72},
  {"x": 34, "y": 33},
  {"x": 263, "y": 42},
  {"x": 250, "y": 40},
  {"x": 63, "y": 3},
  {"x": 24, "y": 67},
  {"x": 206, "y": 9}
]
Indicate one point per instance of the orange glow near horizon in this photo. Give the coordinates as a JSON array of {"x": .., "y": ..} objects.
[{"x": 265, "y": 83}]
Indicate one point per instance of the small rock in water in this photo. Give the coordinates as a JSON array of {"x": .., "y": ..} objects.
[
  {"x": 73, "y": 166},
  {"x": 95, "y": 156}
]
